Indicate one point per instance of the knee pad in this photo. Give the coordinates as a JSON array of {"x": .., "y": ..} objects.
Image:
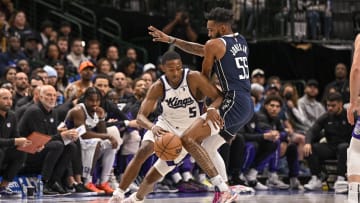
[
  {"x": 214, "y": 128},
  {"x": 164, "y": 167},
  {"x": 353, "y": 154}
]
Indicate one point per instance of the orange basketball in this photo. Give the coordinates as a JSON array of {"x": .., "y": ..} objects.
[{"x": 168, "y": 147}]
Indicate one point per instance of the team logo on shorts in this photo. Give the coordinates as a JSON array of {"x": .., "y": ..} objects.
[{"x": 8, "y": 125}]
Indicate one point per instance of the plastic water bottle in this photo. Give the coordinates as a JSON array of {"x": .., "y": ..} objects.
[
  {"x": 40, "y": 187},
  {"x": 23, "y": 188}
]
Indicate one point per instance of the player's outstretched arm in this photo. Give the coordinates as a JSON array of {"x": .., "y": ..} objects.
[{"x": 189, "y": 47}]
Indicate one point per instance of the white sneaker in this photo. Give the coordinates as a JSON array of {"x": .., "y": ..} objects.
[
  {"x": 117, "y": 196},
  {"x": 251, "y": 175},
  {"x": 132, "y": 199},
  {"x": 341, "y": 186},
  {"x": 295, "y": 184},
  {"x": 260, "y": 186},
  {"x": 313, "y": 184},
  {"x": 274, "y": 182}
]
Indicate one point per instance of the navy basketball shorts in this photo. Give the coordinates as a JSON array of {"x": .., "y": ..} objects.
[{"x": 237, "y": 109}]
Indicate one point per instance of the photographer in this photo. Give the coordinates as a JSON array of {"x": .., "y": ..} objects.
[{"x": 180, "y": 27}]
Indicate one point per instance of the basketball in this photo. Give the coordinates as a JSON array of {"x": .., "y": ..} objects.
[{"x": 168, "y": 147}]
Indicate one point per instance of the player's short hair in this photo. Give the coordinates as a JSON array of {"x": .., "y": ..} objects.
[
  {"x": 170, "y": 55},
  {"x": 90, "y": 91},
  {"x": 219, "y": 14}
]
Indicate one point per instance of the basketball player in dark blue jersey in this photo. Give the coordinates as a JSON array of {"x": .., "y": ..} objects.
[{"x": 227, "y": 53}]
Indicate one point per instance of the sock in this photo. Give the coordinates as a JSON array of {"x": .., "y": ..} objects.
[
  {"x": 220, "y": 183},
  {"x": 187, "y": 176},
  {"x": 353, "y": 195},
  {"x": 176, "y": 177}
]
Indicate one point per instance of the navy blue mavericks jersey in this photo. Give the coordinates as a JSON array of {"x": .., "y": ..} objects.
[{"x": 232, "y": 69}]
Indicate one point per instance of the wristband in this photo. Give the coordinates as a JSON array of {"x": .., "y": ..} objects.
[
  {"x": 171, "y": 40},
  {"x": 210, "y": 108},
  {"x": 126, "y": 122}
]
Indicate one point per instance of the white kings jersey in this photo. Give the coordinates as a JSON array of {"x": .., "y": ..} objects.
[{"x": 179, "y": 106}]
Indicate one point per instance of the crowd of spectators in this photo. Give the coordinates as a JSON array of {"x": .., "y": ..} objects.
[{"x": 49, "y": 77}]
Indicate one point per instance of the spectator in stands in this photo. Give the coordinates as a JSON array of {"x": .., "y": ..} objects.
[
  {"x": 92, "y": 116},
  {"x": 102, "y": 82},
  {"x": 34, "y": 82},
  {"x": 52, "y": 75},
  {"x": 337, "y": 132},
  {"x": 318, "y": 12},
  {"x": 7, "y": 7},
  {"x": 259, "y": 146},
  {"x": 4, "y": 27},
  {"x": 13, "y": 53},
  {"x": 128, "y": 67},
  {"x": 20, "y": 26},
  {"x": 146, "y": 77},
  {"x": 275, "y": 80},
  {"x": 11, "y": 159},
  {"x": 93, "y": 51},
  {"x": 41, "y": 73},
  {"x": 23, "y": 66},
  {"x": 9, "y": 74},
  {"x": 51, "y": 53},
  {"x": 131, "y": 53},
  {"x": 62, "y": 81},
  {"x": 295, "y": 117},
  {"x": 120, "y": 83},
  {"x": 21, "y": 87},
  {"x": 104, "y": 67},
  {"x": 180, "y": 27},
  {"x": 46, "y": 29},
  {"x": 151, "y": 69},
  {"x": 112, "y": 54},
  {"x": 35, "y": 92},
  {"x": 42, "y": 118},
  {"x": 63, "y": 45},
  {"x": 258, "y": 76},
  {"x": 341, "y": 82},
  {"x": 77, "y": 88},
  {"x": 308, "y": 105},
  {"x": 9, "y": 86},
  {"x": 76, "y": 55},
  {"x": 32, "y": 53},
  {"x": 257, "y": 92},
  {"x": 268, "y": 119},
  {"x": 65, "y": 31}
]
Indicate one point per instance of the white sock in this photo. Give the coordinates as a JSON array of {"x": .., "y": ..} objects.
[
  {"x": 108, "y": 157},
  {"x": 176, "y": 177},
  {"x": 353, "y": 194},
  {"x": 187, "y": 176},
  {"x": 211, "y": 145},
  {"x": 220, "y": 183}
]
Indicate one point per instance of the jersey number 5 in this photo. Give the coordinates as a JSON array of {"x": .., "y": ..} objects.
[
  {"x": 192, "y": 112},
  {"x": 241, "y": 63}
]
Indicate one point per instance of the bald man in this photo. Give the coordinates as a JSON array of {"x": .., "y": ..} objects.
[{"x": 52, "y": 159}]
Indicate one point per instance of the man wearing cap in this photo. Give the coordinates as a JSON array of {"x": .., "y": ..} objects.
[
  {"x": 308, "y": 105},
  {"x": 77, "y": 88},
  {"x": 258, "y": 76},
  {"x": 150, "y": 68},
  {"x": 76, "y": 55}
]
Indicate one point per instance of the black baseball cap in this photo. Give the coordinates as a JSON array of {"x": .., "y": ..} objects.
[{"x": 312, "y": 82}]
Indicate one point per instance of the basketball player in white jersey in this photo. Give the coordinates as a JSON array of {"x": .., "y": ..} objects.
[
  {"x": 179, "y": 91},
  {"x": 98, "y": 141},
  {"x": 353, "y": 166}
]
